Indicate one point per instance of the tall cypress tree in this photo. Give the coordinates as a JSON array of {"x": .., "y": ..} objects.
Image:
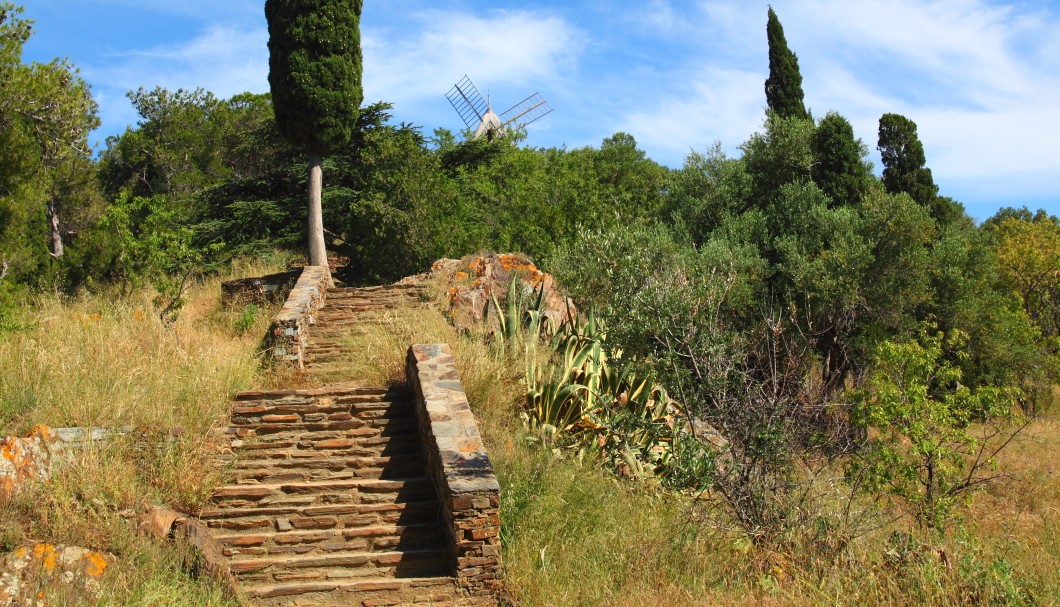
[
  {"x": 315, "y": 77},
  {"x": 784, "y": 85}
]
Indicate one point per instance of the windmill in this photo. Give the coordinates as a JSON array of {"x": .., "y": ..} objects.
[{"x": 477, "y": 112}]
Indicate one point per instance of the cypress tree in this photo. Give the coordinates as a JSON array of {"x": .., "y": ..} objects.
[
  {"x": 315, "y": 77},
  {"x": 838, "y": 168},
  {"x": 904, "y": 162},
  {"x": 784, "y": 85}
]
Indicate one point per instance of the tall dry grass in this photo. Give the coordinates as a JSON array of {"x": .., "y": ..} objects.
[{"x": 97, "y": 360}]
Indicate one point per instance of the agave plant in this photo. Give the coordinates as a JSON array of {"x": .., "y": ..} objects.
[{"x": 587, "y": 400}]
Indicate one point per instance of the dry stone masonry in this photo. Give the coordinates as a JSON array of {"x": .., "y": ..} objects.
[
  {"x": 459, "y": 466},
  {"x": 290, "y": 326}
]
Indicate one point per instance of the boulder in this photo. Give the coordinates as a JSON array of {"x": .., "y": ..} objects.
[{"x": 472, "y": 283}]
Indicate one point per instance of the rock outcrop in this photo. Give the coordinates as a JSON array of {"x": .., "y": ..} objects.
[
  {"x": 473, "y": 282},
  {"x": 25, "y": 460}
]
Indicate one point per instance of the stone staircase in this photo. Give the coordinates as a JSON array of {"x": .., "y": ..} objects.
[
  {"x": 328, "y": 501},
  {"x": 347, "y": 312}
]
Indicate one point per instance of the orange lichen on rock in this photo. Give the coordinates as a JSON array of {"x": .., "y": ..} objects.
[
  {"x": 29, "y": 575},
  {"x": 491, "y": 275},
  {"x": 24, "y": 460},
  {"x": 95, "y": 564}
]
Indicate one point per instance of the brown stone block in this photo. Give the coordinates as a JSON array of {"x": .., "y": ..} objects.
[
  {"x": 243, "y": 491},
  {"x": 314, "y": 522},
  {"x": 249, "y": 410},
  {"x": 281, "y": 419},
  {"x": 334, "y": 443},
  {"x": 247, "y": 540}
]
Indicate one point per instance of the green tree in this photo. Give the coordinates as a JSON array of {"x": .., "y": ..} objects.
[
  {"x": 932, "y": 438},
  {"x": 315, "y": 77},
  {"x": 905, "y": 170},
  {"x": 176, "y": 148},
  {"x": 784, "y": 85},
  {"x": 1028, "y": 256},
  {"x": 46, "y": 114},
  {"x": 839, "y": 168}
]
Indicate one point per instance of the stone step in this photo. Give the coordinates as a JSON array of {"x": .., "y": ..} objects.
[
  {"x": 379, "y": 538},
  {"x": 350, "y": 428},
  {"x": 392, "y": 288},
  {"x": 317, "y": 411},
  {"x": 340, "y": 565},
  {"x": 297, "y": 468},
  {"x": 295, "y": 517},
  {"x": 364, "y": 592},
  {"x": 357, "y": 491},
  {"x": 334, "y": 390},
  {"x": 345, "y": 444}
]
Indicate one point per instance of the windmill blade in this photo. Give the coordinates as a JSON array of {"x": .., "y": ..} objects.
[
  {"x": 467, "y": 102},
  {"x": 526, "y": 111}
]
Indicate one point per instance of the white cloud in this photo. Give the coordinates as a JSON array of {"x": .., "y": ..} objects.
[
  {"x": 716, "y": 104},
  {"x": 223, "y": 60},
  {"x": 979, "y": 78},
  {"x": 502, "y": 48}
]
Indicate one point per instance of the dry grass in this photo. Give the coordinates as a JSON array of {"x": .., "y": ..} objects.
[
  {"x": 102, "y": 361},
  {"x": 573, "y": 535}
]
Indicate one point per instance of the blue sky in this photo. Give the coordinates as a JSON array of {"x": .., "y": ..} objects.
[{"x": 980, "y": 78}]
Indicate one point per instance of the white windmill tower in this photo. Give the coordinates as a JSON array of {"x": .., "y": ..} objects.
[{"x": 477, "y": 112}]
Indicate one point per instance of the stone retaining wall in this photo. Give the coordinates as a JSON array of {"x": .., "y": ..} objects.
[
  {"x": 458, "y": 464},
  {"x": 289, "y": 326},
  {"x": 259, "y": 291}
]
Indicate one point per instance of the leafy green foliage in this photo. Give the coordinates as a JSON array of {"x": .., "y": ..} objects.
[
  {"x": 46, "y": 189},
  {"x": 839, "y": 169},
  {"x": 905, "y": 170},
  {"x": 931, "y": 438}
]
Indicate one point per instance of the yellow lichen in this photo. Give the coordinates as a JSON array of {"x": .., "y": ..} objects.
[
  {"x": 46, "y": 554},
  {"x": 96, "y": 564}
]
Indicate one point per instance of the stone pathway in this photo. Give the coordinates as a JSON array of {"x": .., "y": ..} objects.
[{"x": 328, "y": 502}]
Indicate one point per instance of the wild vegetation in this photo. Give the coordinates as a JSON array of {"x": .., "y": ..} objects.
[{"x": 798, "y": 383}]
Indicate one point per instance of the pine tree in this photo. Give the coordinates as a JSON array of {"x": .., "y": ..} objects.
[
  {"x": 315, "y": 77},
  {"x": 784, "y": 85}
]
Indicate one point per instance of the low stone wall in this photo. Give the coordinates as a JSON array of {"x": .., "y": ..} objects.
[
  {"x": 289, "y": 326},
  {"x": 458, "y": 464},
  {"x": 29, "y": 459},
  {"x": 259, "y": 291}
]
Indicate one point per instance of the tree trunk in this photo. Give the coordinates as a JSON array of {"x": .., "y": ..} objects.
[
  {"x": 56, "y": 237},
  {"x": 315, "y": 226}
]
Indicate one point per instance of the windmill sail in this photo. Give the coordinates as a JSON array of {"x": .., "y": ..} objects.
[
  {"x": 479, "y": 117},
  {"x": 526, "y": 111},
  {"x": 468, "y": 102}
]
